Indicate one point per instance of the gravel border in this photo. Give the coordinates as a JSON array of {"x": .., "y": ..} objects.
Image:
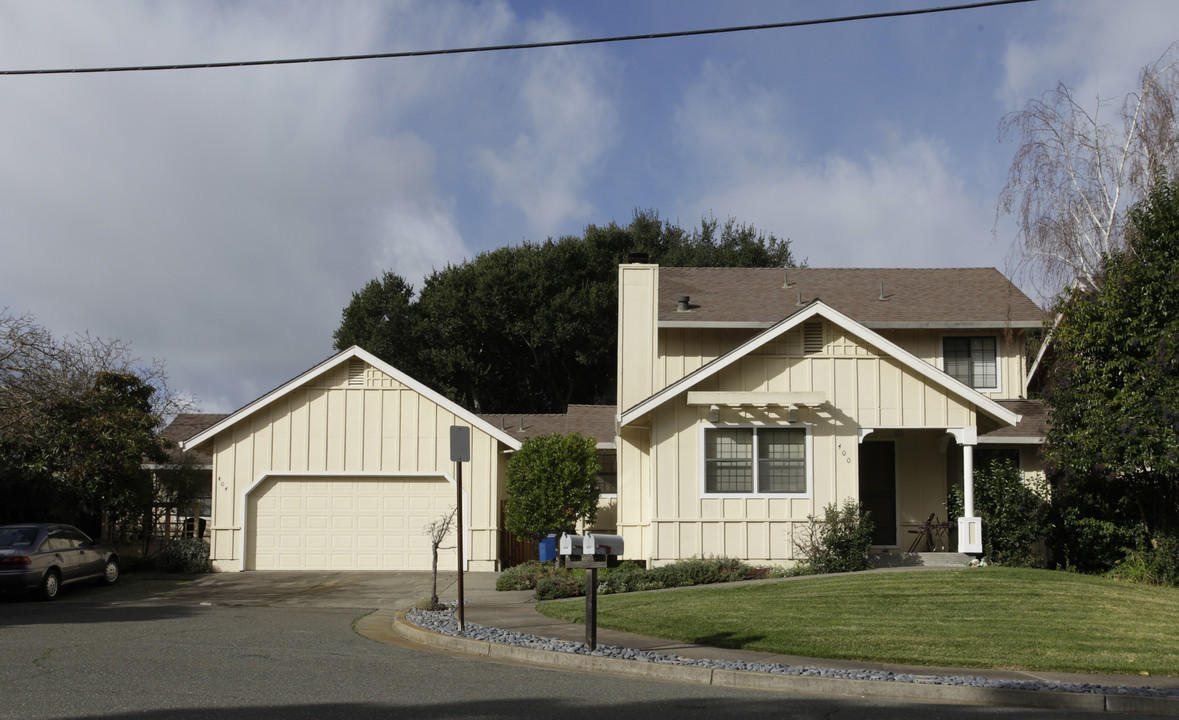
[{"x": 444, "y": 622}]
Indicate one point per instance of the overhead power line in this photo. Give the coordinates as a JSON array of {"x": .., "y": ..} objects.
[{"x": 519, "y": 46}]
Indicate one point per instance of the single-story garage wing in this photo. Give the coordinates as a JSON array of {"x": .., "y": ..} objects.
[{"x": 342, "y": 468}]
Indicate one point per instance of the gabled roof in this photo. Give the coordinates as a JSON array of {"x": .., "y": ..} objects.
[
  {"x": 353, "y": 352},
  {"x": 596, "y": 421},
  {"x": 914, "y": 297},
  {"x": 818, "y": 308}
]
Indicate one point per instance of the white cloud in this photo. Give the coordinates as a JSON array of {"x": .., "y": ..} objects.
[
  {"x": 219, "y": 219},
  {"x": 902, "y": 204},
  {"x": 902, "y": 208},
  {"x": 567, "y": 120},
  {"x": 1096, "y": 48}
]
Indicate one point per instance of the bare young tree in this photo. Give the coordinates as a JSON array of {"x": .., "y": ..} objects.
[
  {"x": 1075, "y": 174},
  {"x": 437, "y": 531}
]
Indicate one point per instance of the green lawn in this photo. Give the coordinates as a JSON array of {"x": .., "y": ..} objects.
[{"x": 980, "y": 617}]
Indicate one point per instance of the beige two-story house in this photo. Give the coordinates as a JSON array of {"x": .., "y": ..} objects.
[{"x": 749, "y": 399}]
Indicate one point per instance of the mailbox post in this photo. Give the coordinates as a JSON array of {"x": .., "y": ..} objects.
[{"x": 591, "y": 552}]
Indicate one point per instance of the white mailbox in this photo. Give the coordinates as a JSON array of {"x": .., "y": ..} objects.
[
  {"x": 596, "y": 544},
  {"x": 571, "y": 544}
]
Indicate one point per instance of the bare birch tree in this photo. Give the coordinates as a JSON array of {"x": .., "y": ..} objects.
[{"x": 1075, "y": 175}]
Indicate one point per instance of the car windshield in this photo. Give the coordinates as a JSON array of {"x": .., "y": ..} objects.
[{"x": 15, "y": 537}]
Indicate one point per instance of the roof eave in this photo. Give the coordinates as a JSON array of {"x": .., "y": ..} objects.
[
  {"x": 355, "y": 351},
  {"x": 817, "y": 307}
]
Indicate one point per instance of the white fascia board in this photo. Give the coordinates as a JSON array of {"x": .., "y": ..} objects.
[
  {"x": 885, "y": 325},
  {"x": 757, "y": 399},
  {"x": 817, "y": 307},
  {"x": 1027, "y": 440},
  {"x": 360, "y": 353}
]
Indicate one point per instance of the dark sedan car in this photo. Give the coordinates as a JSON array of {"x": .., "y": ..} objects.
[{"x": 44, "y": 557}]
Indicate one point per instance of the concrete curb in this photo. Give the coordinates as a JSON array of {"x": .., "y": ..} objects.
[{"x": 830, "y": 687}]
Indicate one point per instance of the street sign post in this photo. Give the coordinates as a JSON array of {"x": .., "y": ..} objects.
[{"x": 460, "y": 452}]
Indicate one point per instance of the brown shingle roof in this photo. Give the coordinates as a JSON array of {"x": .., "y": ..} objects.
[
  {"x": 1033, "y": 420},
  {"x": 595, "y": 421},
  {"x": 916, "y": 297},
  {"x": 184, "y": 426}
]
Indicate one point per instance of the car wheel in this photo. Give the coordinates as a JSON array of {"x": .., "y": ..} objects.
[
  {"x": 110, "y": 574},
  {"x": 50, "y": 585}
]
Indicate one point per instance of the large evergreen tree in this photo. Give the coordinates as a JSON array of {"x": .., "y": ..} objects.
[
  {"x": 532, "y": 327},
  {"x": 1112, "y": 450}
]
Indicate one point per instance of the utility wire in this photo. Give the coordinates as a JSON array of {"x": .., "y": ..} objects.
[{"x": 522, "y": 46}]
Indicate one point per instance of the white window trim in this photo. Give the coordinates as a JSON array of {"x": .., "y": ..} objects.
[
  {"x": 941, "y": 358},
  {"x": 808, "y": 461}
]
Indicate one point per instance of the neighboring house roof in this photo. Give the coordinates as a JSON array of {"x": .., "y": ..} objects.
[
  {"x": 184, "y": 426},
  {"x": 596, "y": 421},
  {"x": 1033, "y": 422},
  {"x": 819, "y": 308},
  {"x": 915, "y": 297},
  {"x": 353, "y": 352}
]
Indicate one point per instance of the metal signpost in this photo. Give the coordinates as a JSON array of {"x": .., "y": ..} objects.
[{"x": 460, "y": 452}]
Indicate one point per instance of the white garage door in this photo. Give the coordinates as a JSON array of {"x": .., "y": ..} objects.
[{"x": 345, "y": 523}]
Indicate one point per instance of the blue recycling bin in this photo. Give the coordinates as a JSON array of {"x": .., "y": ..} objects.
[{"x": 548, "y": 548}]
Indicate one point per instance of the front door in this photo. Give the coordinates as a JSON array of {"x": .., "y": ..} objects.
[{"x": 878, "y": 489}]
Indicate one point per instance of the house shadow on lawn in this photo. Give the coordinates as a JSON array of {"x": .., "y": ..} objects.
[{"x": 732, "y": 641}]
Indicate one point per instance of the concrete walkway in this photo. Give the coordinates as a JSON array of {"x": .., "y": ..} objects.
[{"x": 516, "y": 611}]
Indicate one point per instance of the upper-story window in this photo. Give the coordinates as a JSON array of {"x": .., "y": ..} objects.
[
  {"x": 755, "y": 460},
  {"x": 973, "y": 360}
]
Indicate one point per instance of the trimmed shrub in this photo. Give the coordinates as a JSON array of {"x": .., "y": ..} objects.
[
  {"x": 559, "y": 585},
  {"x": 185, "y": 555},
  {"x": 699, "y": 571},
  {"x": 523, "y": 576},
  {"x": 627, "y": 577}
]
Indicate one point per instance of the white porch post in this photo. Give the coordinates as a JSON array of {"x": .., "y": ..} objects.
[
  {"x": 968, "y": 480},
  {"x": 969, "y": 526}
]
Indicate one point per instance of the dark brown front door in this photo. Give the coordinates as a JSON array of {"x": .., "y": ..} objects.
[{"x": 878, "y": 489}]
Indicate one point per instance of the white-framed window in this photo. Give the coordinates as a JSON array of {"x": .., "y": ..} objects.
[
  {"x": 974, "y": 360},
  {"x": 773, "y": 460}
]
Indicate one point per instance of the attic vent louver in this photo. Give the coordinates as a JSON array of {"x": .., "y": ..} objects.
[
  {"x": 355, "y": 372},
  {"x": 812, "y": 338}
]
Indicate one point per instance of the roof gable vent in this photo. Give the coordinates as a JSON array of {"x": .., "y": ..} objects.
[
  {"x": 812, "y": 338},
  {"x": 355, "y": 372}
]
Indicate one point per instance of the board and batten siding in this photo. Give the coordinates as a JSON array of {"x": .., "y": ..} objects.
[
  {"x": 927, "y": 345},
  {"x": 863, "y": 387},
  {"x": 379, "y": 427}
]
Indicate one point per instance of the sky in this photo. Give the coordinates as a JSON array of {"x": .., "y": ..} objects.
[{"x": 219, "y": 220}]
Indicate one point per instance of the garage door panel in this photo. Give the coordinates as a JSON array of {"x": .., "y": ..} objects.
[{"x": 343, "y": 524}]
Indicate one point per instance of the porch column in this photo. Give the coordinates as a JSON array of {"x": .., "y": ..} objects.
[
  {"x": 969, "y": 526},
  {"x": 968, "y": 480}
]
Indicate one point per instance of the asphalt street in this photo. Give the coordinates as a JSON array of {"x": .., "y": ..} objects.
[{"x": 161, "y": 648}]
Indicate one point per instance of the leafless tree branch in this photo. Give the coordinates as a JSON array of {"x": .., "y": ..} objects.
[{"x": 1075, "y": 175}]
